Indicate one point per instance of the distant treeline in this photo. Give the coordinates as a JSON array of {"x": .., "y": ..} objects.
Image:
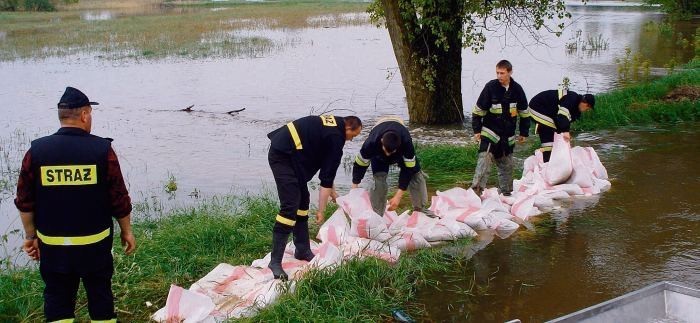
[{"x": 31, "y": 5}]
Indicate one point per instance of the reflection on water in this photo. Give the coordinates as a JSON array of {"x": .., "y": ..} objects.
[{"x": 645, "y": 229}]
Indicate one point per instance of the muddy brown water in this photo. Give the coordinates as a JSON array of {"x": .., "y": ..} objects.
[
  {"x": 644, "y": 230},
  {"x": 576, "y": 261}
]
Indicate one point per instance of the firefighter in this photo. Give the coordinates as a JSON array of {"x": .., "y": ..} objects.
[
  {"x": 500, "y": 104},
  {"x": 554, "y": 111},
  {"x": 69, "y": 188},
  {"x": 390, "y": 143},
  {"x": 297, "y": 151}
]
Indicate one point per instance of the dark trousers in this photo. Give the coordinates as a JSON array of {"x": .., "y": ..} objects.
[
  {"x": 499, "y": 149},
  {"x": 62, "y": 289},
  {"x": 546, "y": 138},
  {"x": 292, "y": 191}
]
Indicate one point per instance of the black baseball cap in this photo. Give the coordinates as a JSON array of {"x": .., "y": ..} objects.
[
  {"x": 72, "y": 99},
  {"x": 590, "y": 99}
]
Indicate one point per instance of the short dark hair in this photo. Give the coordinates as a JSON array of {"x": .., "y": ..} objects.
[
  {"x": 353, "y": 122},
  {"x": 391, "y": 141},
  {"x": 505, "y": 64},
  {"x": 64, "y": 114},
  {"x": 590, "y": 99}
]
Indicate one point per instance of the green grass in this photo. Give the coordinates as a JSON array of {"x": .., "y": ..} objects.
[
  {"x": 643, "y": 103},
  {"x": 182, "y": 247}
]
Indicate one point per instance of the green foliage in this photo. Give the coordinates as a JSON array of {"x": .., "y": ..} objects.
[
  {"x": 632, "y": 68},
  {"x": 38, "y": 5},
  {"x": 678, "y": 9},
  {"x": 644, "y": 103},
  {"x": 9, "y": 5}
]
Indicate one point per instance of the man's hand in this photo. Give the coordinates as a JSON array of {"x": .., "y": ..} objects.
[
  {"x": 567, "y": 136},
  {"x": 521, "y": 139},
  {"x": 334, "y": 195},
  {"x": 31, "y": 247},
  {"x": 394, "y": 202},
  {"x": 320, "y": 217},
  {"x": 128, "y": 242},
  {"x": 477, "y": 137}
]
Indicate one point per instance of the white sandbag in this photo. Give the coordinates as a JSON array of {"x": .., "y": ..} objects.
[
  {"x": 601, "y": 184},
  {"x": 460, "y": 198},
  {"x": 360, "y": 247},
  {"x": 571, "y": 189},
  {"x": 581, "y": 174},
  {"x": 369, "y": 225},
  {"x": 523, "y": 206},
  {"x": 498, "y": 224},
  {"x": 544, "y": 201},
  {"x": 327, "y": 255},
  {"x": 599, "y": 170},
  {"x": 439, "y": 232},
  {"x": 225, "y": 281},
  {"x": 502, "y": 215},
  {"x": 416, "y": 221},
  {"x": 476, "y": 220},
  {"x": 408, "y": 241},
  {"x": 559, "y": 167},
  {"x": 335, "y": 230},
  {"x": 459, "y": 229},
  {"x": 355, "y": 202},
  {"x": 530, "y": 164},
  {"x": 184, "y": 306},
  {"x": 554, "y": 194},
  {"x": 390, "y": 217},
  {"x": 495, "y": 204}
]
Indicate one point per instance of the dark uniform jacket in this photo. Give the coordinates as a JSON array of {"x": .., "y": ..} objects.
[
  {"x": 556, "y": 109},
  {"x": 497, "y": 109},
  {"x": 405, "y": 155},
  {"x": 314, "y": 143},
  {"x": 72, "y": 207}
]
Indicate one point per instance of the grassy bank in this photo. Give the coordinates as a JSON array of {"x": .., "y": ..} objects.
[
  {"x": 669, "y": 99},
  {"x": 187, "y": 244}
]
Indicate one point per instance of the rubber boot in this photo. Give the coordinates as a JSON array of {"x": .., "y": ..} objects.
[
  {"x": 481, "y": 174},
  {"x": 505, "y": 174},
  {"x": 301, "y": 240},
  {"x": 279, "y": 242}
]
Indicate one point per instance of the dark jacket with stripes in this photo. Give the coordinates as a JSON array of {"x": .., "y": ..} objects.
[
  {"x": 319, "y": 147},
  {"x": 497, "y": 111},
  {"x": 556, "y": 109},
  {"x": 405, "y": 155}
]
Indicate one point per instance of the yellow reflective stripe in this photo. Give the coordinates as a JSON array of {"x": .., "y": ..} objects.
[
  {"x": 513, "y": 111},
  {"x": 295, "y": 135},
  {"x": 488, "y": 133},
  {"x": 390, "y": 118},
  {"x": 284, "y": 220},
  {"x": 104, "y": 321},
  {"x": 561, "y": 93},
  {"x": 541, "y": 118},
  {"x": 546, "y": 148},
  {"x": 496, "y": 110},
  {"x": 73, "y": 241},
  {"x": 547, "y": 144},
  {"x": 328, "y": 120},
  {"x": 410, "y": 162},
  {"x": 511, "y": 140},
  {"x": 303, "y": 212},
  {"x": 68, "y": 175},
  {"x": 64, "y": 321},
  {"x": 524, "y": 113},
  {"x": 478, "y": 111},
  {"x": 565, "y": 112},
  {"x": 361, "y": 161}
]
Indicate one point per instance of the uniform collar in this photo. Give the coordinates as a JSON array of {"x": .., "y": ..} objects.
[{"x": 72, "y": 131}]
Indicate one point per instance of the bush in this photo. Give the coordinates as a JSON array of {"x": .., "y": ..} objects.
[
  {"x": 9, "y": 5},
  {"x": 38, "y": 5}
]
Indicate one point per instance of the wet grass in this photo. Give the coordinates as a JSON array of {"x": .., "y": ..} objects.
[
  {"x": 183, "y": 247},
  {"x": 237, "y": 30},
  {"x": 645, "y": 103}
]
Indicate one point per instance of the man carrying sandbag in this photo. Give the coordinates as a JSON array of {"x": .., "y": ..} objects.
[
  {"x": 494, "y": 116},
  {"x": 297, "y": 151},
  {"x": 554, "y": 111},
  {"x": 390, "y": 143}
]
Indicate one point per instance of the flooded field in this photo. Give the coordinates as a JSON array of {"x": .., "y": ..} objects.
[
  {"x": 282, "y": 62},
  {"x": 644, "y": 230}
]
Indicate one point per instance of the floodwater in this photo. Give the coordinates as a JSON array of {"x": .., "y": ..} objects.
[
  {"x": 644, "y": 230},
  {"x": 344, "y": 65}
]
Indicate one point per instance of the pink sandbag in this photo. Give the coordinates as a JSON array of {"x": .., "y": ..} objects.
[
  {"x": 439, "y": 232},
  {"x": 458, "y": 229},
  {"x": 571, "y": 189},
  {"x": 601, "y": 184},
  {"x": 599, "y": 170},
  {"x": 360, "y": 247},
  {"x": 327, "y": 255},
  {"x": 355, "y": 202},
  {"x": 369, "y": 225},
  {"x": 226, "y": 280},
  {"x": 184, "y": 306},
  {"x": 522, "y": 207},
  {"x": 560, "y": 166},
  {"x": 335, "y": 230},
  {"x": 460, "y": 198},
  {"x": 408, "y": 241},
  {"x": 416, "y": 221},
  {"x": 390, "y": 217},
  {"x": 582, "y": 174}
]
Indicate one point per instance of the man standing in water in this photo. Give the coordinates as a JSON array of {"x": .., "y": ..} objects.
[
  {"x": 390, "y": 143},
  {"x": 297, "y": 151},
  {"x": 69, "y": 189},
  {"x": 554, "y": 111},
  {"x": 493, "y": 120}
]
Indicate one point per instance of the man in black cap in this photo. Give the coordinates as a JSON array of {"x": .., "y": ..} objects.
[
  {"x": 69, "y": 189},
  {"x": 554, "y": 111},
  {"x": 298, "y": 150}
]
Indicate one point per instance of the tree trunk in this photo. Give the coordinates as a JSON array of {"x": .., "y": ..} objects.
[{"x": 443, "y": 103}]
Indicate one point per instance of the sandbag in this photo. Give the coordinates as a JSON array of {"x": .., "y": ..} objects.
[
  {"x": 599, "y": 170},
  {"x": 355, "y": 202},
  {"x": 416, "y": 221},
  {"x": 560, "y": 166},
  {"x": 369, "y": 225},
  {"x": 184, "y": 306},
  {"x": 522, "y": 207},
  {"x": 335, "y": 230},
  {"x": 408, "y": 241},
  {"x": 571, "y": 189},
  {"x": 581, "y": 174},
  {"x": 459, "y": 229}
]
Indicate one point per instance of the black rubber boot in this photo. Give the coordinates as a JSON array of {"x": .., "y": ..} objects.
[
  {"x": 301, "y": 241},
  {"x": 279, "y": 242}
]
